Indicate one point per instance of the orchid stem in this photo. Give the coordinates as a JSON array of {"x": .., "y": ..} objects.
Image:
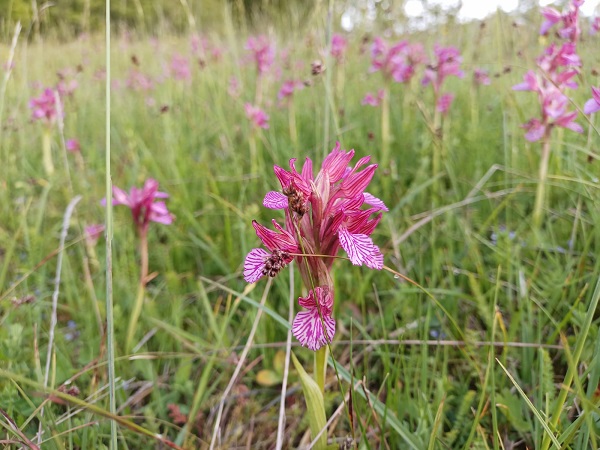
[
  {"x": 253, "y": 153},
  {"x": 292, "y": 122},
  {"x": 541, "y": 187},
  {"x": 139, "y": 300},
  {"x": 385, "y": 128},
  {"x": 321, "y": 367},
  {"x": 47, "y": 152}
]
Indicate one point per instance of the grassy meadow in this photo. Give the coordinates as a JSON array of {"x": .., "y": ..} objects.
[{"x": 482, "y": 335}]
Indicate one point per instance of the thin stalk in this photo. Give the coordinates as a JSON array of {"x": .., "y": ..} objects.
[
  {"x": 326, "y": 117},
  {"x": 436, "y": 163},
  {"x": 253, "y": 153},
  {"x": 321, "y": 366},
  {"x": 47, "y": 152},
  {"x": 541, "y": 187},
  {"x": 292, "y": 122},
  {"x": 110, "y": 326},
  {"x": 139, "y": 300},
  {"x": 385, "y": 127}
]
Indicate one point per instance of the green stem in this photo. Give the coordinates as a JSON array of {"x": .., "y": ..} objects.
[
  {"x": 253, "y": 153},
  {"x": 47, "y": 152},
  {"x": 541, "y": 187},
  {"x": 139, "y": 300},
  {"x": 385, "y": 127},
  {"x": 321, "y": 366},
  {"x": 436, "y": 163},
  {"x": 292, "y": 122},
  {"x": 110, "y": 324}
]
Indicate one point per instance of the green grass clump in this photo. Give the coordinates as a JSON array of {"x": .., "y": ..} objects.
[{"x": 500, "y": 351}]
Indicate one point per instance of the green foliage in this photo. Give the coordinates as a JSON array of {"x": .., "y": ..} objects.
[{"x": 434, "y": 373}]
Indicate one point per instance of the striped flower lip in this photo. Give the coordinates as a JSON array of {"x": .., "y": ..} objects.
[{"x": 308, "y": 325}]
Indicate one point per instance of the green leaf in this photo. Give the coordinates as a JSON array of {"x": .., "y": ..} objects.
[{"x": 315, "y": 405}]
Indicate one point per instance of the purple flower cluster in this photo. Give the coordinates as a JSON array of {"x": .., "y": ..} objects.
[
  {"x": 323, "y": 214},
  {"x": 397, "y": 62},
  {"x": 557, "y": 67},
  {"x": 263, "y": 52}
]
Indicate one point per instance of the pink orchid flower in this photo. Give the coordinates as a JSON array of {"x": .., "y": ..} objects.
[
  {"x": 396, "y": 62},
  {"x": 257, "y": 116},
  {"x": 373, "y": 100},
  {"x": 44, "y": 107},
  {"x": 593, "y": 104},
  {"x": 144, "y": 208},
  {"x": 73, "y": 146},
  {"x": 338, "y": 47},
  {"x": 444, "y": 103},
  {"x": 263, "y": 52},
  {"x": 323, "y": 214},
  {"x": 447, "y": 64},
  {"x": 481, "y": 77},
  {"x": 288, "y": 88},
  {"x": 180, "y": 68},
  {"x": 93, "y": 233}
]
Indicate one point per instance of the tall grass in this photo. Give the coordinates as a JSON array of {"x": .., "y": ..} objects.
[{"x": 504, "y": 355}]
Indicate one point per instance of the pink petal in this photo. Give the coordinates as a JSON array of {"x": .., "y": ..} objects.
[
  {"x": 591, "y": 106},
  {"x": 275, "y": 200},
  {"x": 308, "y": 328},
  {"x": 358, "y": 246},
  {"x": 374, "y": 201},
  {"x": 254, "y": 264},
  {"x": 375, "y": 259},
  {"x": 120, "y": 197}
]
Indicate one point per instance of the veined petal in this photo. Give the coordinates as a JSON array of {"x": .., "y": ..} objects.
[
  {"x": 275, "y": 200},
  {"x": 374, "y": 201},
  {"x": 375, "y": 259},
  {"x": 358, "y": 246},
  {"x": 357, "y": 182},
  {"x": 276, "y": 241},
  {"x": 254, "y": 264},
  {"x": 308, "y": 328}
]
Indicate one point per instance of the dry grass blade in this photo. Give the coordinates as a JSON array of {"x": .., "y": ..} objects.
[
  {"x": 18, "y": 432},
  {"x": 240, "y": 363}
]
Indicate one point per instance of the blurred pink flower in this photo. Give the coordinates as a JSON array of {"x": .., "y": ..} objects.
[
  {"x": 137, "y": 81},
  {"x": 372, "y": 100},
  {"x": 481, "y": 77},
  {"x": 338, "y": 47},
  {"x": 93, "y": 233},
  {"x": 444, "y": 102},
  {"x": 180, "y": 68},
  {"x": 570, "y": 21},
  {"x": 257, "y": 116},
  {"x": 234, "y": 88},
  {"x": 595, "y": 26},
  {"x": 288, "y": 88},
  {"x": 44, "y": 107},
  {"x": 66, "y": 88},
  {"x": 593, "y": 104},
  {"x": 73, "y": 145},
  {"x": 396, "y": 62},
  {"x": 263, "y": 52},
  {"x": 447, "y": 64},
  {"x": 144, "y": 208}
]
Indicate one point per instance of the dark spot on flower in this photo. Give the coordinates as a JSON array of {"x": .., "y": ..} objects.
[{"x": 277, "y": 261}]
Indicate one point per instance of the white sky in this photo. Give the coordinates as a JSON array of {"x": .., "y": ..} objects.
[{"x": 479, "y": 9}]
